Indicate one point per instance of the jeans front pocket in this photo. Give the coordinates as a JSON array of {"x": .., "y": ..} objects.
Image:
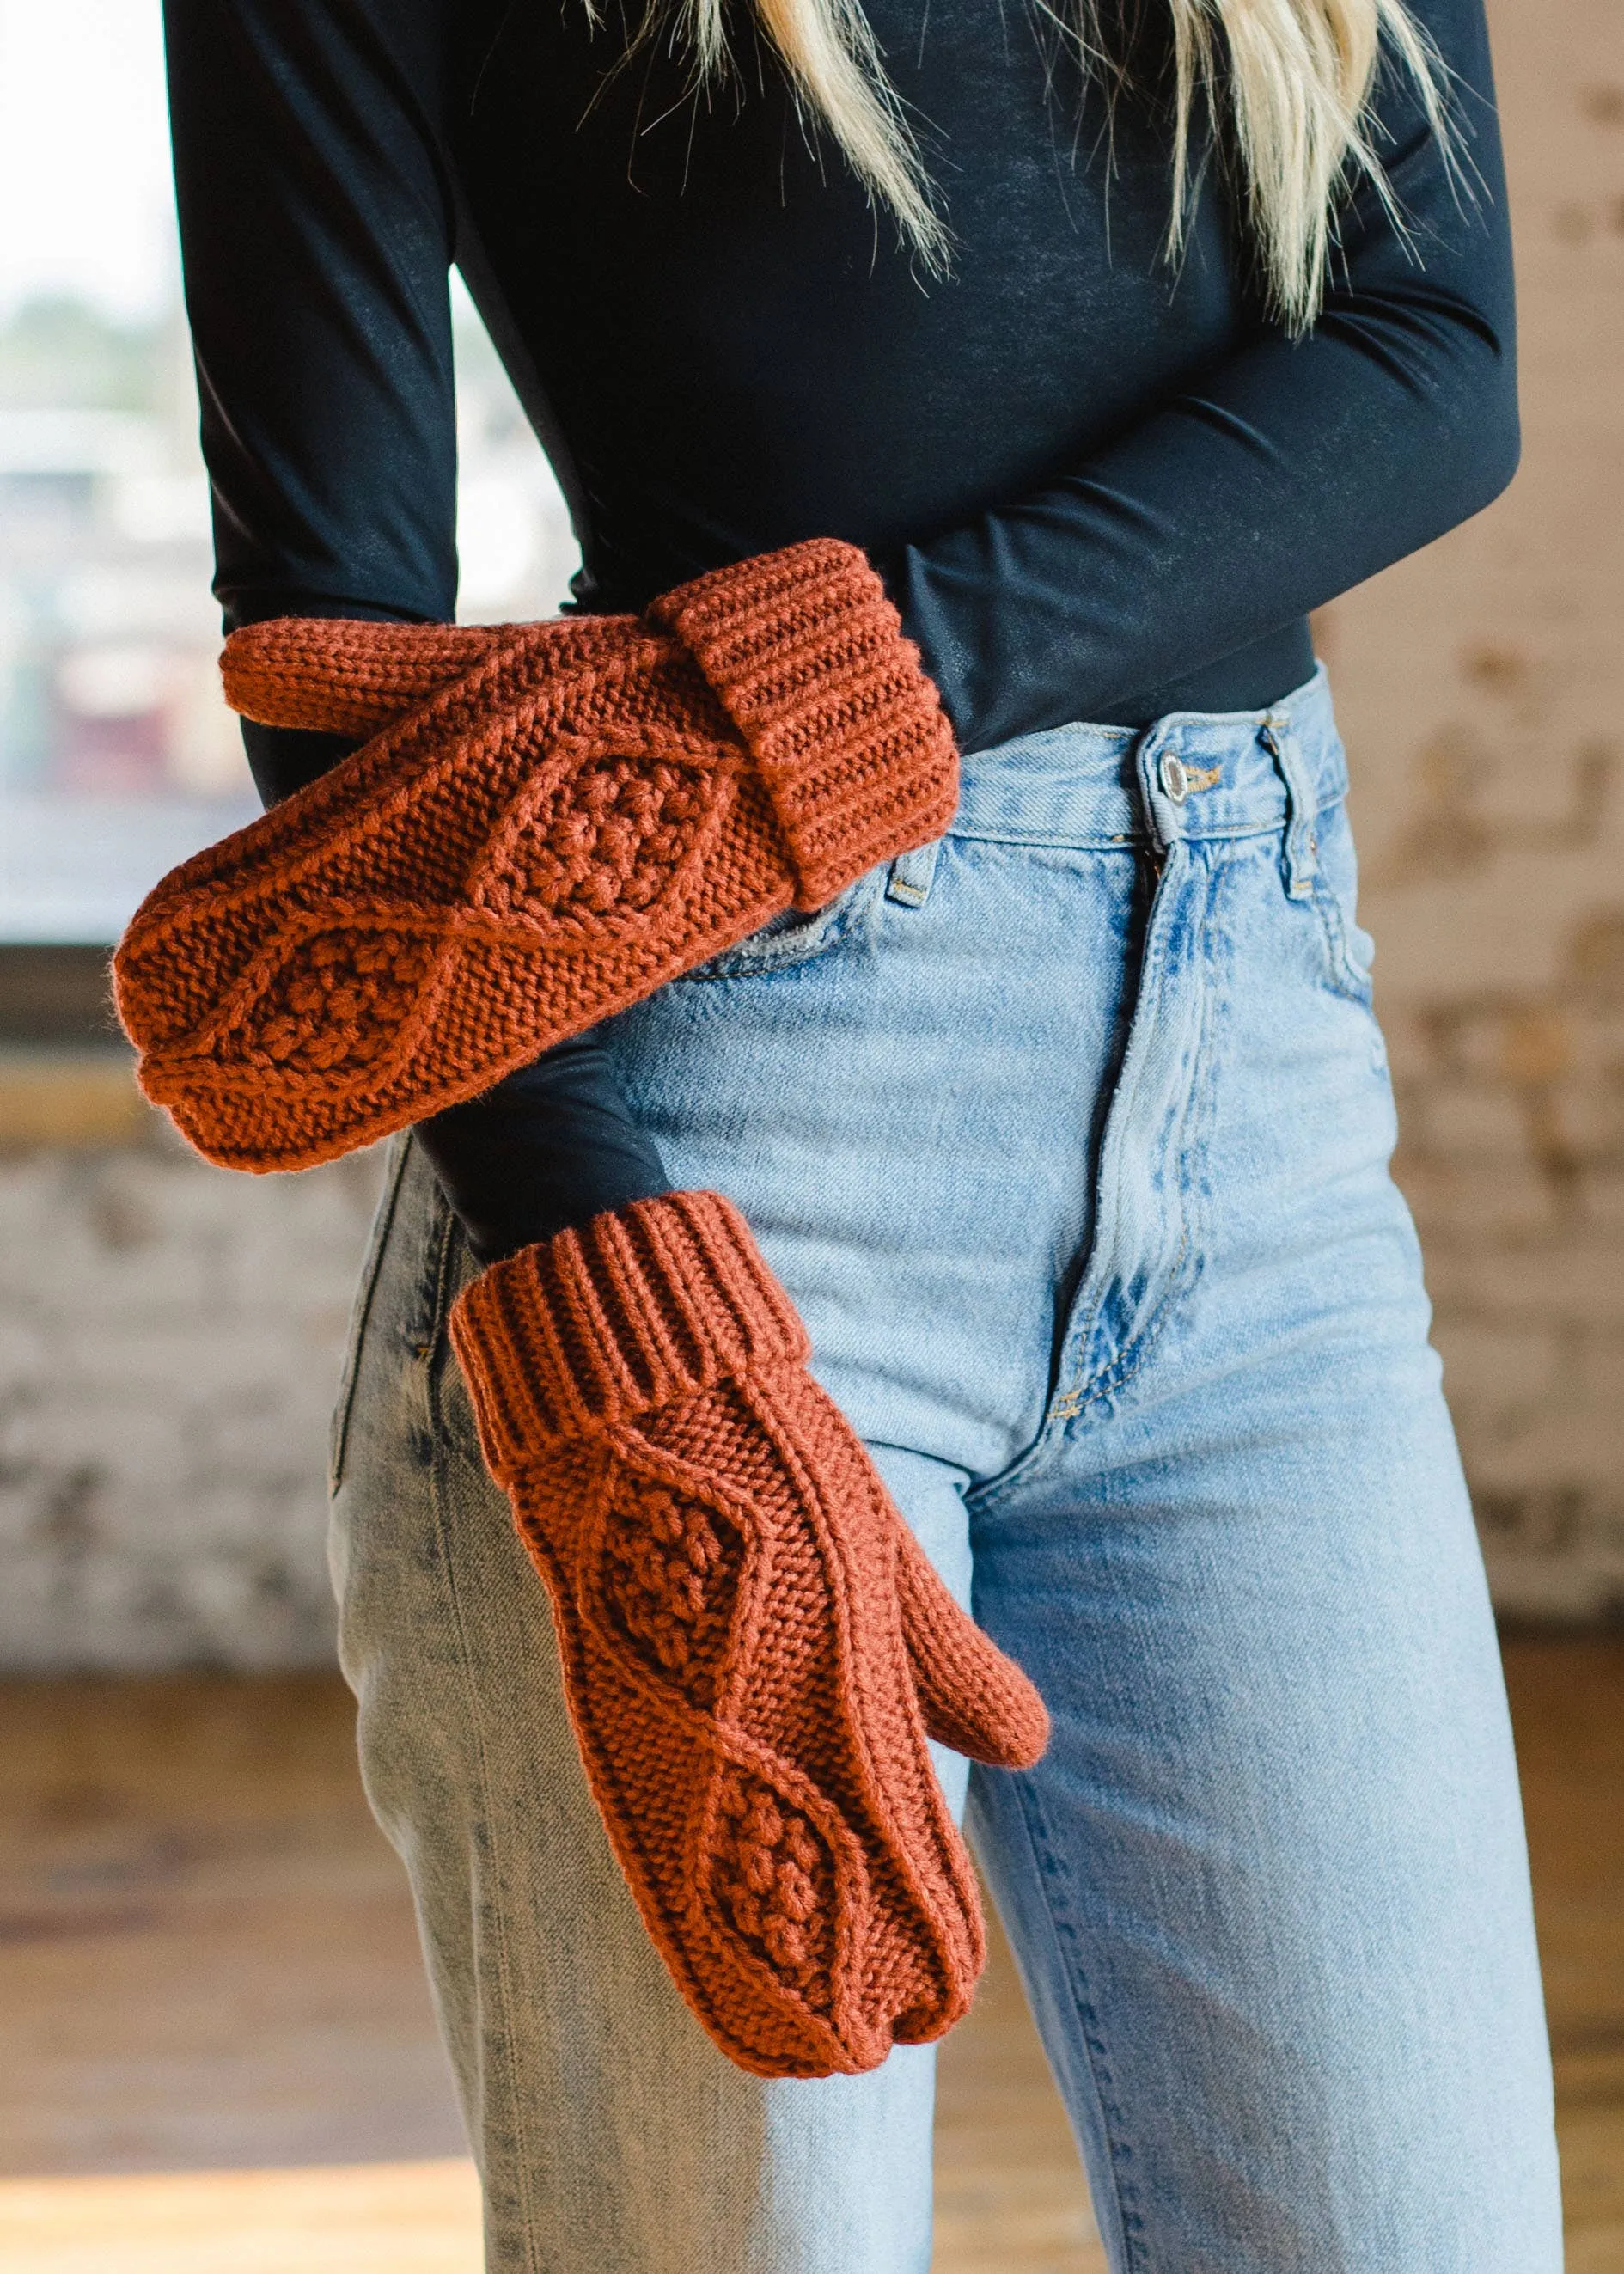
[
  {"x": 1349, "y": 949},
  {"x": 793, "y": 937}
]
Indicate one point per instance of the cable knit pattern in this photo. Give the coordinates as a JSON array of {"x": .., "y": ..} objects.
[
  {"x": 548, "y": 822},
  {"x": 744, "y": 1622}
]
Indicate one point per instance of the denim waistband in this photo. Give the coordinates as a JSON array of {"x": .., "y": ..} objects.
[{"x": 1191, "y": 774}]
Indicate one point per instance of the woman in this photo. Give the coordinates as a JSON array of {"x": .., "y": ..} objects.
[{"x": 1116, "y": 347}]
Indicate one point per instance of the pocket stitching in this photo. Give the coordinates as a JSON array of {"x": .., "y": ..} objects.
[
  {"x": 827, "y": 929},
  {"x": 360, "y": 1316},
  {"x": 1347, "y": 975}
]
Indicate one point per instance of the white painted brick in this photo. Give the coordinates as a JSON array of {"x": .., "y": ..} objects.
[
  {"x": 1574, "y": 1280},
  {"x": 1470, "y": 1122},
  {"x": 1456, "y": 1203},
  {"x": 172, "y": 1345},
  {"x": 1495, "y": 1372}
]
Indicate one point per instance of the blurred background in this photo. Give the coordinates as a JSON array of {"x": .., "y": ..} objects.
[{"x": 214, "y": 2046}]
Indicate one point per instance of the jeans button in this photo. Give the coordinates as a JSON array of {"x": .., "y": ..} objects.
[{"x": 1175, "y": 778}]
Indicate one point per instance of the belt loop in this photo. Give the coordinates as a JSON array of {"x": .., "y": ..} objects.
[
  {"x": 1161, "y": 777},
  {"x": 911, "y": 875},
  {"x": 1302, "y": 846}
]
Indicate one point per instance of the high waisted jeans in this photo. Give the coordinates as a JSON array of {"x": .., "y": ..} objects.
[{"x": 1070, "y": 1137}]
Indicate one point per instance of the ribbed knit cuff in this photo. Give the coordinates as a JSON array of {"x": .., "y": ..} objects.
[
  {"x": 613, "y": 1318},
  {"x": 806, "y": 654}
]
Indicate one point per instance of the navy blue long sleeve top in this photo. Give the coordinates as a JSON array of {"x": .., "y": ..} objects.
[{"x": 1098, "y": 485}]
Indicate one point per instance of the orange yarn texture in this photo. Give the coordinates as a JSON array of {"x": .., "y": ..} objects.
[
  {"x": 753, "y": 1645},
  {"x": 549, "y": 822}
]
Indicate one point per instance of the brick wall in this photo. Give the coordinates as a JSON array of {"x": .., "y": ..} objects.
[
  {"x": 1481, "y": 687},
  {"x": 169, "y": 1336}
]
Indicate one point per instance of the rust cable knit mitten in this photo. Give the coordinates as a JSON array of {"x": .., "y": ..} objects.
[
  {"x": 549, "y": 821},
  {"x": 754, "y": 1646}
]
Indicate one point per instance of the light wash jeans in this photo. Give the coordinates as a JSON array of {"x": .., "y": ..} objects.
[{"x": 1070, "y": 1137}]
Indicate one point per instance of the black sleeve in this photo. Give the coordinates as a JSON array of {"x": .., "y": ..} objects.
[
  {"x": 1295, "y": 471},
  {"x": 553, "y": 1145},
  {"x": 316, "y": 230}
]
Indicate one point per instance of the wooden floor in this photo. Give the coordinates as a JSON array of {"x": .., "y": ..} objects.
[{"x": 216, "y": 2053}]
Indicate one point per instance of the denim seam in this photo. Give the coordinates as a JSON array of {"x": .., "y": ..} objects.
[
  {"x": 1200, "y": 1111},
  {"x": 361, "y": 1314},
  {"x": 1081, "y": 1328},
  {"x": 1095, "y": 1389},
  {"x": 1047, "y": 1874},
  {"x": 1092, "y": 1388},
  {"x": 1299, "y": 844},
  {"x": 1119, "y": 841},
  {"x": 1183, "y": 1273},
  {"x": 1346, "y": 977},
  {"x": 439, "y": 1356},
  {"x": 1047, "y": 1446}
]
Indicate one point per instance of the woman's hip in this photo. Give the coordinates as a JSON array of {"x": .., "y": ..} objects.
[{"x": 1004, "y": 1115}]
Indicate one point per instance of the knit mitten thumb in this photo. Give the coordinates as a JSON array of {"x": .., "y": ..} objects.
[
  {"x": 752, "y": 1647},
  {"x": 549, "y": 821}
]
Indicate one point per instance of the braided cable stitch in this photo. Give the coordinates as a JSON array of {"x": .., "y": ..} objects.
[
  {"x": 547, "y": 822},
  {"x": 740, "y": 1612}
]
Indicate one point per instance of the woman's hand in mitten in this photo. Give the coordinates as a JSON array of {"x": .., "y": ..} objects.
[
  {"x": 754, "y": 1648},
  {"x": 549, "y": 821}
]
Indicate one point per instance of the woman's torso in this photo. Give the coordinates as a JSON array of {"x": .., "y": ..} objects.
[
  {"x": 727, "y": 348},
  {"x": 1098, "y": 485}
]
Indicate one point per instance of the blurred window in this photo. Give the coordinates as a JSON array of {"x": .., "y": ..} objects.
[{"x": 117, "y": 757}]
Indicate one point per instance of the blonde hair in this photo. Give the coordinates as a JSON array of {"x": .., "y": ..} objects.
[{"x": 1288, "y": 82}]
